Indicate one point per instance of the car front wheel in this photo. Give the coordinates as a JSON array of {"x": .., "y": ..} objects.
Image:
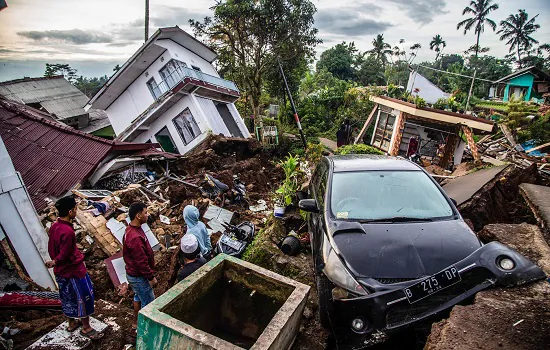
[{"x": 324, "y": 292}]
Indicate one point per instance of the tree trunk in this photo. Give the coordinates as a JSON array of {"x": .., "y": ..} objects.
[
  {"x": 519, "y": 57},
  {"x": 477, "y": 43}
]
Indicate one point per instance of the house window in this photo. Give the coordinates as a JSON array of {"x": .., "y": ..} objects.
[
  {"x": 187, "y": 126},
  {"x": 165, "y": 140},
  {"x": 196, "y": 68},
  {"x": 153, "y": 88},
  {"x": 384, "y": 131},
  {"x": 172, "y": 72}
]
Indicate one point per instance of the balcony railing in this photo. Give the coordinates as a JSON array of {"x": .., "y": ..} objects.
[{"x": 182, "y": 72}]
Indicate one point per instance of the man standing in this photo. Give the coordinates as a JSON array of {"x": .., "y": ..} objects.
[
  {"x": 192, "y": 258},
  {"x": 75, "y": 287},
  {"x": 139, "y": 259}
]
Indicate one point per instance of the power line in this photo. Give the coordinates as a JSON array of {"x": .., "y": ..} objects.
[{"x": 460, "y": 75}]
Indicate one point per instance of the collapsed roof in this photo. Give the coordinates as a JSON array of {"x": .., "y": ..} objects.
[{"x": 51, "y": 157}]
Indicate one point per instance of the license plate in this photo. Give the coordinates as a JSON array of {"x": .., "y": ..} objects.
[{"x": 432, "y": 284}]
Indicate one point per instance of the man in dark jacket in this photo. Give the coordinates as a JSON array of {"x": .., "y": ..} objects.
[
  {"x": 139, "y": 259},
  {"x": 192, "y": 258},
  {"x": 75, "y": 287}
]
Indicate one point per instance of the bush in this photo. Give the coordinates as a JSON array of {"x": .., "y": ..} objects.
[
  {"x": 358, "y": 149},
  {"x": 419, "y": 102}
]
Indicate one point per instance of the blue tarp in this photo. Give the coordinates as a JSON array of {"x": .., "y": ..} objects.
[{"x": 527, "y": 145}]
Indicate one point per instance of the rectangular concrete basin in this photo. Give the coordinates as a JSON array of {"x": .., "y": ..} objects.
[{"x": 226, "y": 304}]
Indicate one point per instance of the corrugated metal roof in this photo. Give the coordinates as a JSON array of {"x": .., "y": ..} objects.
[
  {"x": 98, "y": 120},
  {"x": 56, "y": 95},
  {"x": 52, "y": 158}
]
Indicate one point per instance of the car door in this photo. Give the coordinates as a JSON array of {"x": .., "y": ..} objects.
[{"x": 317, "y": 225}]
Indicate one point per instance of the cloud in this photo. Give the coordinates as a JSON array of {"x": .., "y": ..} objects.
[
  {"x": 121, "y": 44},
  {"x": 169, "y": 16},
  {"x": 72, "y": 36},
  {"x": 422, "y": 11},
  {"x": 350, "y": 21}
]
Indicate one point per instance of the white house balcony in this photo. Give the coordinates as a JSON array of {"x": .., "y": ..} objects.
[{"x": 193, "y": 81}]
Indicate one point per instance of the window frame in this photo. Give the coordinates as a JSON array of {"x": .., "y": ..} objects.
[{"x": 180, "y": 131}]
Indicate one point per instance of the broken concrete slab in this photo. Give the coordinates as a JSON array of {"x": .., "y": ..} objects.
[
  {"x": 493, "y": 321},
  {"x": 499, "y": 200},
  {"x": 60, "y": 338},
  {"x": 538, "y": 199},
  {"x": 526, "y": 239},
  {"x": 226, "y": 304},
  {"x": 502, "y": 318},
  {"x": 465, "y": 187}
]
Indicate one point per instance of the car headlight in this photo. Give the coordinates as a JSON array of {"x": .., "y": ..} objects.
[
  {"x": 338, "y": 274},
  {"x": 506, "y": 263}
]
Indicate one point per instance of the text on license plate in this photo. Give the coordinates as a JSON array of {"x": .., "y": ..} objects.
[{"x": 432, "y": 284}]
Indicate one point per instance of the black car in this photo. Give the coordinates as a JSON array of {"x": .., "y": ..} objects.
[{"x": 390, "y": 248}]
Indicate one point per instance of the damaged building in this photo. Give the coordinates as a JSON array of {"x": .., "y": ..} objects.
[
  {"x": 43, "y": 160},
  {"x": 437, "y": 132},
  {"x": 61, "y": 100},
  {"x": 169, "y": 92}
]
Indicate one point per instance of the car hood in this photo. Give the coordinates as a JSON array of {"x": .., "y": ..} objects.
[{"x": 403, "y": 250}]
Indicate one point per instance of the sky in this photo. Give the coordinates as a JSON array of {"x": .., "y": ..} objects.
[{"x": 95, "y": 35}]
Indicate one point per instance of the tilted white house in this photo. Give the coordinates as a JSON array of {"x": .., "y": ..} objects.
[{"x": 169, "y": 92}]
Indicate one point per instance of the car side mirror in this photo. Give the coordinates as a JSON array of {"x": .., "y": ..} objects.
[
  {"x": 454, "y": 202},
  {"x": 309, "y": 205}
]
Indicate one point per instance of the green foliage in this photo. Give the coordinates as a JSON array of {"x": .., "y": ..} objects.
[
  {"x": 249, "y": 35},
  {"x": 90, "y": 86},
  {"x": 357, "y": 149},
  {"x": 286, "y": 192},
  {"x": 419, "y": 102},
  {"x": 517, "y": 111},
  {"x": 540, "y": 129},
  {"x": 53, "y": 69},
  {"x": 499, "y": 106},
  {"x": 440, "y": 104},
  {"x": 339, "y": 60},
  {"x": 517, "y": 29},
  {"x": 314, "y": 152}
]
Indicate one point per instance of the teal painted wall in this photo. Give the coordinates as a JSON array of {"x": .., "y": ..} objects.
[{"x": 525, "y": 80}]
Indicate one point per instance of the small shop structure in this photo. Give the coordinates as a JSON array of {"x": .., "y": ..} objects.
[{"x": 436, "y": 133}]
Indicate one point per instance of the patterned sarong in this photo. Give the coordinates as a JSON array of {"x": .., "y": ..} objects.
[{"x": 77, "y": 296}]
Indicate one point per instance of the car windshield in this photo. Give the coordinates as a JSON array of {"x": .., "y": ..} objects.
[{"x": 376, "y": 195}]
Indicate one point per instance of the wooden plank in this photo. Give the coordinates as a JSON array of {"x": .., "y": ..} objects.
[
  {"x": 97, "y": 228},
  {"x": 508, "y": 134},
  {"x": 539, "y": 147},
  {"x": 366, "y": 125}
]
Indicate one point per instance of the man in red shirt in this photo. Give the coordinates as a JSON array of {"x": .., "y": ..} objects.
[
  {"x": 139, "y": 259},
  {"x": 75, "y": 287}
]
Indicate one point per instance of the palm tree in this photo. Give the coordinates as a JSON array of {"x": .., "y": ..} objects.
[
  {"x": 517, "y": 29},
  {"x": 381, "y": 49},
  {"x": 480, "y": 9},
  {"x": 439, "y": 44}
]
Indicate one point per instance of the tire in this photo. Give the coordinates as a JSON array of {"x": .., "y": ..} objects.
[{"x": 324, "y": 293}]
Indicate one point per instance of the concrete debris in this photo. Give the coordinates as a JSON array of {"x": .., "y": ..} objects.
[
  {"x": 502, "y": 318},
  {"x": 261, "y": 206},
  {"x": 60, "y": 338}
]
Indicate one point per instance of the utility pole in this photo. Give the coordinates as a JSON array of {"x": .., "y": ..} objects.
[
  {"x": 471, "y": 88},
  {"x": 296, "y": 118},
  {"x": 146, "y": 20}
]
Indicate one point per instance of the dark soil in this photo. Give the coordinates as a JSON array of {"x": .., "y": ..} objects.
[{"x": 499, "y": 201}]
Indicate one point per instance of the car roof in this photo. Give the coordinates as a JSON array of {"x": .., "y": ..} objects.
[{"x": 361, "y": 162}]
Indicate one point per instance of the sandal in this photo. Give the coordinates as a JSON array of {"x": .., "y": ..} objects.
[
  {"x": 93, "y": 334},
  {"x": 78, "y": 325}
]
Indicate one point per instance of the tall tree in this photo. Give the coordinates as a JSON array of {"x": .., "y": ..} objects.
[
  {"x": 249, "y": 35},
  {"x": 437, "y": 44},
  {"x": 339, "y": 60},
  {"x": 480, "y": 9},
  {"x": 381, "y": 49},
  {"x": 53, "y": 69},
  {"x": 517, "y": 29}
]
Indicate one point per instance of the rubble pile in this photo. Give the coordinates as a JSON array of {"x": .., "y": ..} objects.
[
  {"x": 502, "y": 318},
  {"x": 218, "y": 156}
]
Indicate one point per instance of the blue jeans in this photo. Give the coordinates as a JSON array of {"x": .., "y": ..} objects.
[{"x": 143, "y": 292}]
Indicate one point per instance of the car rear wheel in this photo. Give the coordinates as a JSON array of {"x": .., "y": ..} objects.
[{"x": 324, "y": 292}]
